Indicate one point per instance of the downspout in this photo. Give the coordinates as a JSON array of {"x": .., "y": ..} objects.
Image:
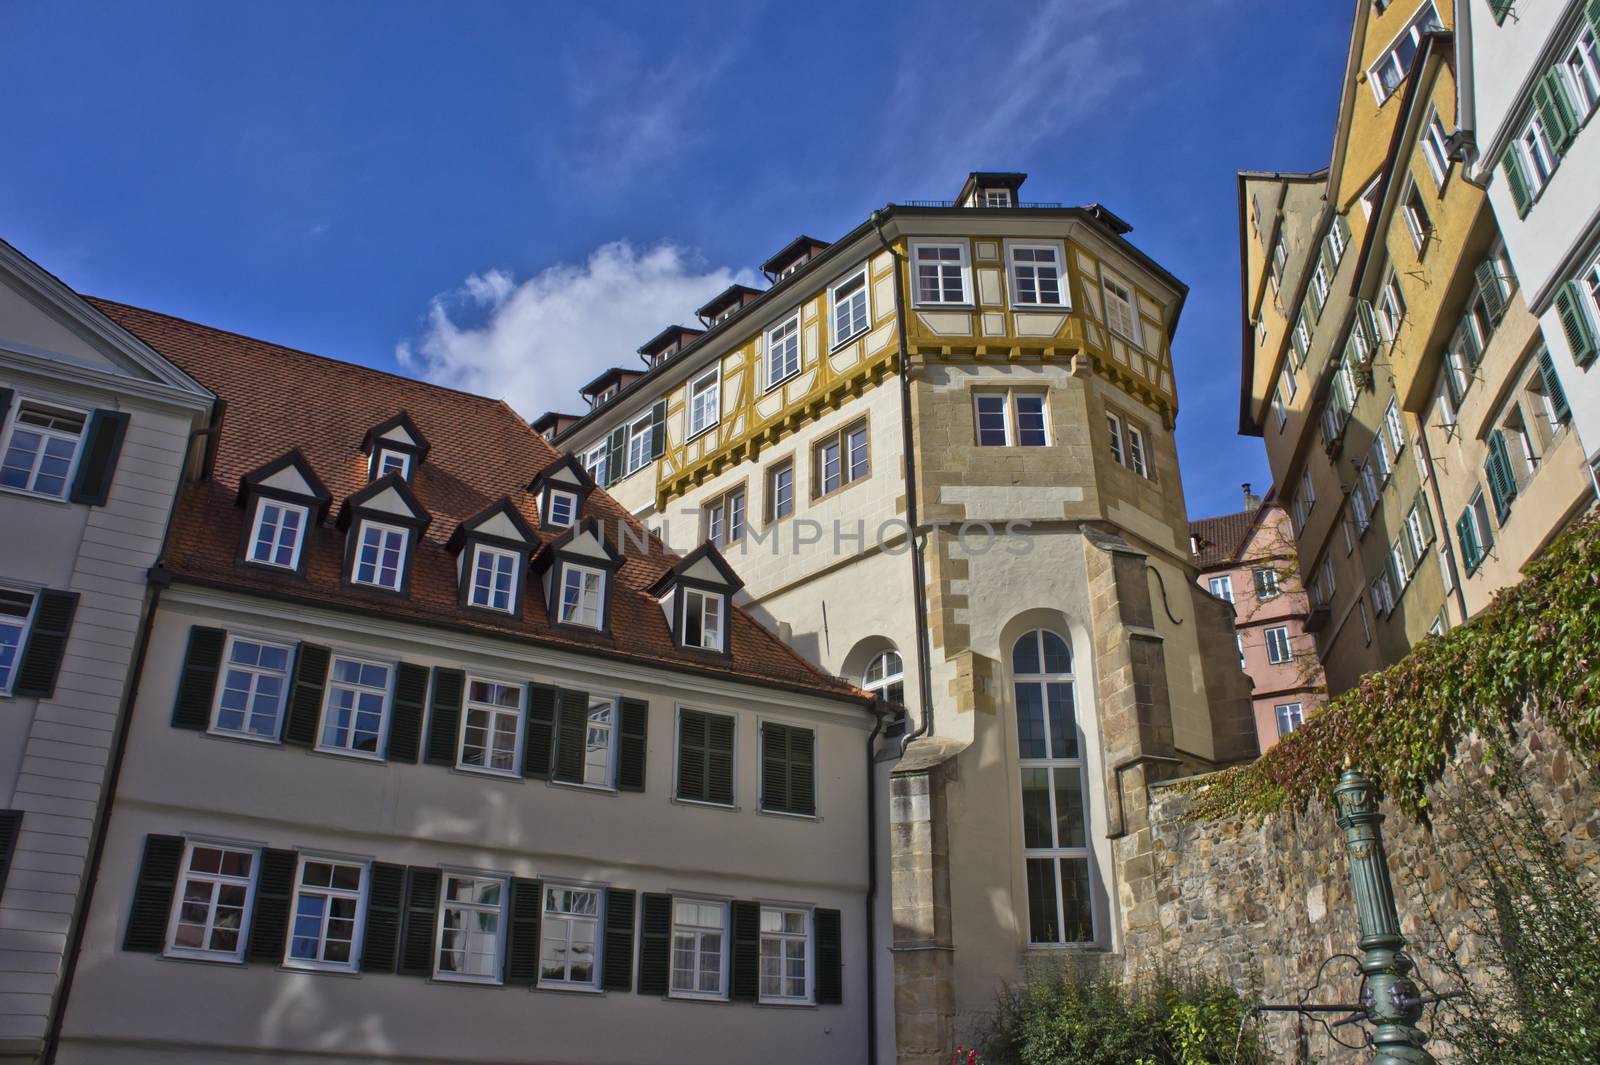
[
  {"x": 1466, "y": 132},
  {"x": 872, "y": 883},
  {"x": 1442, "y": 532},
  {"x": 919, "y": 540},
  {"x": 159, "y": 579}
]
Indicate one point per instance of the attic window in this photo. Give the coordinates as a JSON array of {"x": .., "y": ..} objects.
[
  {"x": 703, "y": 614},
  {"x": 380, "y": 555},
  {"x": 582, "y": 596},
  {"x": 494, "y": 578},
  {"x": 391, "y": 461},
  {"x": 606, "y": 395},
  {"x": 560, "y": 509},
  {"x": 279, "y": 531},
  {"x": 997, "y": 197}
]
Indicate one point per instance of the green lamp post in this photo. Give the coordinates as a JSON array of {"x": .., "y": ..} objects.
[{"x": 1390, "y": 999}]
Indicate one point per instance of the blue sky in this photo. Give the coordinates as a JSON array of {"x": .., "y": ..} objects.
[{"x": 509, "y": 197}]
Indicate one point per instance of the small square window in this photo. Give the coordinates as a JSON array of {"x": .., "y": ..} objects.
[
  {"x": 253, "y": 690},
  {"x": 278, "y": 534},
  {"x": 582, "y": 599},
  {"x": 380, "y": 556},
  {"x": 211, "y": 906},
  {"x": 997, "y": 197},
  {"x": 725, "y": 518},
  {"x": 1221, "y": 587},
  {"x": 1290, "y": 717},
  {"x": 561, "y": 509},
  {"x": 1010, "y": 418},
  {"x": 703, "y": 619},
  {"x": 1037, "y": 276},
  {"x": 839, "y": 459},
  {"x": 941, "y": 273},
  {"x": 41, "y": 449},
  {"x": 391, "y": 461},
  {"x": 16, "y": 612}
]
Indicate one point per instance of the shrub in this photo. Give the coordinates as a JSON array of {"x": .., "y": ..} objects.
[{"x": 1068, "y": 1015}]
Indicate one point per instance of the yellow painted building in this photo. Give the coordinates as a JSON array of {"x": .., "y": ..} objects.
[
  {"x": 1370, "y": 290},
  {"x": 995, "y": 375}
]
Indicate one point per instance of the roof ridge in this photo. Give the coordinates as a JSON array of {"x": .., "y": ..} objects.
[{"x": 99, "y": 302}]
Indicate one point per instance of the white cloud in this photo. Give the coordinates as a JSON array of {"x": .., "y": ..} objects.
[{"x": 535, "y": 342}]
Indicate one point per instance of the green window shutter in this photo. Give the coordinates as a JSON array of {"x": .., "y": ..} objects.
[
  {"x": 269, "y": 909},
  {"x": 1553, "y": 390},
  {"x": 539, "y": 742},
  {"x": 632, "y": 744},
  {"x": 1343, "y": 226},
  {"x": 1469, "y": 342},
  {"x": 655, "y": 944},
  {"x": 10, "y": 829},
  {"x": 405, "y": 721},
  {"x": 802, "y": 771},
  {"x": 1469, "y": 542},
  {"x": 102, "y": 444},
  {"x": 1424, "y": 517},
  {"x": 719, "y": 758},
  {"x": 1310, "y": 310},
  {"x": 1561, "y": 121},
  {"x": 830, "y": 957},
  {"x": 615, "y": 451},
  {"x": 658, "y": 428},
  {"x": 774, "y": 766},
  {"x": 1330, "y": 265},
  {"x": 40, "y": 663},
  {"x": 421, "y": 913},
  {"x": 1511, "y": 166},
  {"x": 152, "y": 896},
  {"x": 1502, "y": 483},
  {"x": 616, "y": 963},
  {"x": 444, "y": 717},
  {"x": 380, "y": 935},
  {"x": 572, "y": 724},
  {"x": 691, "y": 755},
  {"x": 744, "y": 972},
  {"x": 197, "y": 684},
  {"x": 1575, "y": 324},
  {"x": 522, "y": 942},
  {"x": 1367, "y": 323},
  {"x": 1592, "y": 12},
  {"x": 1294, "y": 342},
  {"x": 305, "y": 695},
  {"x": 1499, "y": 9},
  {"x": 1487, "y": 274}
]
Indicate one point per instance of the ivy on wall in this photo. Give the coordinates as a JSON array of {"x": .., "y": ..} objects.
[{"x": 1537, "y": 646}]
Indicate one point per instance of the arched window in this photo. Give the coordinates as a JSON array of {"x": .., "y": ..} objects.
[
  {"x": 885, "y": 675},
  {"x": 1055, "y": 821}
]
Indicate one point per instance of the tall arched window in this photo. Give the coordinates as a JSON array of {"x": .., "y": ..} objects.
[
  {"x": 1055, "y": 822},
  {"x": 885, "y": 675}
]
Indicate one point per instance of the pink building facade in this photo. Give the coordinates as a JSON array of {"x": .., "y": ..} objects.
[{"x": 1249, "y": 559}]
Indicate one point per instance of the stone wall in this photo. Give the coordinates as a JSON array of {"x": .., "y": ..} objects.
[{"x": 1272, "y": 902}]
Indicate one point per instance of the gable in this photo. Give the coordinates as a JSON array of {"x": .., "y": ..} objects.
[
  {"x": 706, "y": 571},
  {"x": 288, "y": 479},
  {"x": 389, "y": 501},
  {"x": 397, "y": 434},
  {"x": 500, "y": 525},
  {"x": 587, "y": 544}
]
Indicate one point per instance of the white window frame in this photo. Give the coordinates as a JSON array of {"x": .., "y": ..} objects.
[
  {"x": 569, "y": 569},
  {"x": 216, "y": 880},
  {"x": 384, "y": 530},
  {"x": 13, "y": 425},
  {"x": 1272, "y": 645},
  {"x": 567, "y": 921},
  {"x": 806, "y": 939},
  {"x": 1414, "y": 30},
  {"x": 1273, "y": 588},
  {"x": 963, "y": 266},
  {"x": 390, "y": 456},
  {"x": 720, "y": 510},
  {"x": 1538, "y": 153},
  {"x": 595, "y": 462},
  {"x": 609, "y": 781},
  {"x": 1419, "y": 542},
  {"x": 1014, "y": 270},
  {"x": 1010, "y": 415},
  {"x": 347, "y": 748},
  {"x": 789, "y": 328},
  {"x": 699, "y": 931},
  {"x": 712, "y": 604},
  {"x": 1127, "y": 299},
  {"x": 997, "y": 198},
  {"x": 255, "y": 673},
  {"x": 550, "y": 517},
  {"x": 1581, "y": 69},
  {"x": 636, "y": 450},
  {"x": 704, "y": 416},
  {"x": 1118, "y": 452},
  {"x": 493, "y": 712},
  {"x": 276, "y": 543},
  {"x": 22, "y": 625},
  {"x": 1292, "y": 714},
  {"x": 862, "y": 274},
  {"x": 358, "y": 896},
  {"x": 1434, "y": 148},
  {"x": 1221, "y": 587},
  {"x": 446, "y": 904},
  {"x": 497, "y": 556},
  {"x": 1414, "y": 216},
  {"x": 771, "y": 502},
  {"x": 1137, "y": 462}
]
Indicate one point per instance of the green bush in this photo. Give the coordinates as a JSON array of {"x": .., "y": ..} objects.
[{"x": 1068, "y": 1015}]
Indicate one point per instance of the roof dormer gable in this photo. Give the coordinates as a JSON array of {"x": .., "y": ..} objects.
[
  {"x": 288, "y": 477},
  {"x": 726, "y": 303},
  {"x": 394, "y": 446},
  {"x": 585, "y": 542},
  {"x": 703, "y": 566},
  {"x": 501, "y": 524},
  {"x": 696, "y": 597},
  {"x": 561, "y": 489},
  {"x": 388, "y": 499},
  {"x": 792, "y": 256}
]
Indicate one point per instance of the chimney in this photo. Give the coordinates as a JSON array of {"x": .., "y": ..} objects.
[{"x": 1251, "y": 500}]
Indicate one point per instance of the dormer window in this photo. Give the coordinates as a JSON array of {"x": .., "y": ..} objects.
[
  {"x": 703, "y": 614},
  {"x": 997, "y": 197},
  {"x": 582, "y": 596},
  {"x": 278, "y": 534},
  {"x": 392, "y": 461},
  {"x": 560, "y": 509},
  {"x": 381, "y": 556},
  {"x": 605, "y": 396},
  {"x": 494, "y": 578}
]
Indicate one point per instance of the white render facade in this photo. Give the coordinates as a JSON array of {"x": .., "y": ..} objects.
[
  {"x": 1531, "y": 94},
  {"x": 501, "y": 831},
  {"x": 95, "y": 433}
]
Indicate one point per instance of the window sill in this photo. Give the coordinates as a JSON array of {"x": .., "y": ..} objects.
[
  {"x": 786, "y": 1004},
  {"x": 789, "y": 815},
  {"x": 785, "y": 379},
  {"x": 321, "y": 968},
  {"x": 695, "y": 996},
  {"x": 1062, "y": 307},
  {"x": 965, "y": 306},
  {"x": 579, "y": 989},
  {"x": 571, "y": 785},
  {"x": 354, "y": 756},
  {"x": 495, "y": 774},
  {"x": 702, "y": 431},
  {"x": 273, "y": 566},
  {"x": 466, "y": 981},
  {"x": 842, "y": 341},
  {"x": 702, "y": 804},
  {"x": 245, "y": 737},
  {"x": 205, "y": 959},
  {"x": 40, "y": 496}
]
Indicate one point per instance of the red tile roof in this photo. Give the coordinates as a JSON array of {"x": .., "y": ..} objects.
[
  {"x": 1222, "y": 538},
  {"x": 278, "y": 398}
]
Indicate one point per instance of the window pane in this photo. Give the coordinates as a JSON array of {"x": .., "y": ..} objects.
[
  {"x": 1076, "y": 903},
  {"x": 1056, "y": 657},
  {"x": 1044, "y": 925},
  {"x": 1030, "y": 721},
  {"x": 1063, "y": 722},
  {"x": 1025, "y": 655},
  {"x": 1070, "y": 828},
  {"x": 1036, "y": 808}
]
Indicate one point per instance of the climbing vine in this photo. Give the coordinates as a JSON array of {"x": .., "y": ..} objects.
[{"x": 1537, "y": 646}]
